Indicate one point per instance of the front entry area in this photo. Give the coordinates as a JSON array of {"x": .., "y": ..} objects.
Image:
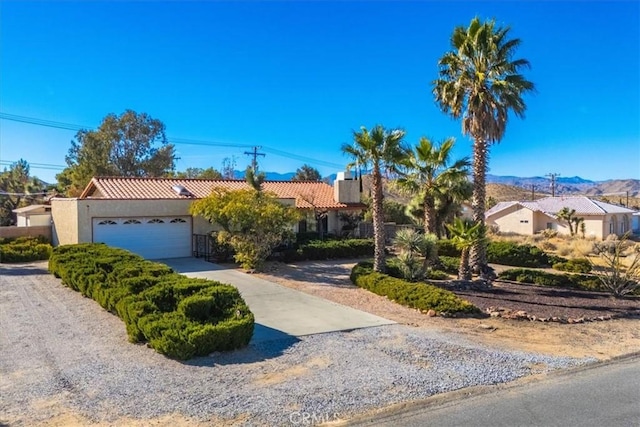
[{"x": 149, "y": 237}]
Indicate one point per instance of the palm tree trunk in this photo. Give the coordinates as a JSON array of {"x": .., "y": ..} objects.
[
  {"x": 429, "y": 207},
  {"x": 480, "y": 155},
  {"x": 379, "y": 234},
  {"x": 464, "y": 272}
]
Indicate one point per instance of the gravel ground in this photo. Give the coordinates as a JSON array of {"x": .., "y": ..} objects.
[{"x": 60, "y": 347}]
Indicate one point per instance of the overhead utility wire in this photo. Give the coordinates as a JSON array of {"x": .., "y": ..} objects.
[{"x": 68, "y": 126}]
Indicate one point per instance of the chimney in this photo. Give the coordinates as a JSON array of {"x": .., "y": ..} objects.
[{"x": 345, "y": 188}]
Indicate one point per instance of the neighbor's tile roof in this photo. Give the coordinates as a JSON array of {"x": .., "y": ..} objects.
[
  {"x": 552, "y": 205},
  {"x": 319, "y": 194}
]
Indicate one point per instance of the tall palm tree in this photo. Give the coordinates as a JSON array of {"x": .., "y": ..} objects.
[
  {"x": 430, "y": 175},
  {"x": 480, "y": 81},
  {"x": 465, "y": 234},
  {"x": 378, "y": 150}
]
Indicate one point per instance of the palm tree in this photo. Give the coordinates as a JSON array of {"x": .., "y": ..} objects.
[
  {"x": 479, "y": 81},
  {"x": 449, "y": 206},
  {"x": 430, "y": 176},
  {"x": 465, "y": 234},
  {"x": 377, "y": 150}
]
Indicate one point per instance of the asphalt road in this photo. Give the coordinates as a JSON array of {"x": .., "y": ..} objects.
[{"x": 603, "y": 395}]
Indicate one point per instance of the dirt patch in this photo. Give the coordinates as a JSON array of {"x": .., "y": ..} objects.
[
  {"x": 547, "y": 303},
  {"x": 603, "y": 340},
  {"x": 281, "y": 375}
]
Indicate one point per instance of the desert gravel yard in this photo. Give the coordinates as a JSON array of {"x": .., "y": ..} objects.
[{"x": 66, "y": 361}]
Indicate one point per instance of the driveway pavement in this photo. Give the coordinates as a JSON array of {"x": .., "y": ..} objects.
[{"x": 279, "y": 311}]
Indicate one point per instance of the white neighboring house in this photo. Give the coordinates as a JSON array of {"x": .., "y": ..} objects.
[
  {"x": 33, "y": 215},
  {"x": 527, "y": 218}
]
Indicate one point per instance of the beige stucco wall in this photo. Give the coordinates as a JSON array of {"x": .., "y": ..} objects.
[
  {"x": 346, "y": 191},
  {"x": 514, "y": 219},
  {"x": 30, "y": 231},
  {"x": 64, "y": 221},
  {"x": 37, "y": 219}
]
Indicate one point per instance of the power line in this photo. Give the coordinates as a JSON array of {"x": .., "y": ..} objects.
[
  {"x": 178, "y": 141},
  {"x": 254, "y": 154}
]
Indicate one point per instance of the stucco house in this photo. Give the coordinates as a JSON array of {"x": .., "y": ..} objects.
[
  {"x": 33, "y": 215},
  {"x": 527, "y": 218},
  {"x": 150, "y": 216}
]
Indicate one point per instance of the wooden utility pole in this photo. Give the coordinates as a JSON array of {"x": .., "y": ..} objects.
[
  {"x": 255, "y": 154},
  {"x": 553, "y": 177}
]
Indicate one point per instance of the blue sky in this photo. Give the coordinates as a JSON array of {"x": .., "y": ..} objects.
[{"x": 298, "y": 77}]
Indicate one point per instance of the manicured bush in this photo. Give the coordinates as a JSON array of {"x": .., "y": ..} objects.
[
  {"x": 542, "y": 278},
  {"x": 576, "y": 265},
  {"x": 329, "y": 249},
  {"x": 178, "y": 316},
  {"x": 422, "y": 296},
  {"x": 509, "y": 253},
  {"x": 24, "y": 249}
]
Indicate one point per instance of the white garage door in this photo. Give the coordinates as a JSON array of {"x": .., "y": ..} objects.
[{"x": 152, "y": 238}]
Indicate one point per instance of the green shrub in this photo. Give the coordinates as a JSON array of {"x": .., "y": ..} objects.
[
  {"x": 542, "y": 278},
  {"x": 178, "y": 316},
  {"x": 450, "y": 264},
  {"x": 447, "y": 247},
  {"x": 577, "y": 265},
  {"x": 24, "y": 249},
  {"x": 422, "y": 296},
  {"x": 509, "y": 253},
  {"x": 329, "y": 249}
]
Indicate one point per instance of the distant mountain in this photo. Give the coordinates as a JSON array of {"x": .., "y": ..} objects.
[{"x": 572, "y": 185}]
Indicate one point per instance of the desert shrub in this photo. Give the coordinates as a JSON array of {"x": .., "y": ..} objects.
[
  {"x": 24, "y": 249},
  {"x": 509, "y": 253},
  {"x": 446, "y": 247},
  {"x": 547, "y": 245},
  {"x": 421, "y": 296},
  {"x": 178, "y": 316},
  {"x": 576, "y": 265},
  {"x": 542, "y": 278},
  {"x": 329, "y": 249},
  {"x": 450, "y": 264}
]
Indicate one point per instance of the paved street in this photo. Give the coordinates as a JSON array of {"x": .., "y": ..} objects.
[{"x": 605, "y": 395}]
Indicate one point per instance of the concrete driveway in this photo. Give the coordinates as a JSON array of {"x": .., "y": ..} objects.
[{"x": 280, "y": 312}]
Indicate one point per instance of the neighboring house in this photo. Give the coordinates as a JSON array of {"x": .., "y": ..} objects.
[
  {"x": 636, "y": 223},
  {"x": 600, "y": 219},
  {"x": 33, "y": 215},
  {"x": 150, "y": 216}
]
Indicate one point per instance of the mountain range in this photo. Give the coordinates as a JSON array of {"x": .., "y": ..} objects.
[{"x": 574, "y": 185}]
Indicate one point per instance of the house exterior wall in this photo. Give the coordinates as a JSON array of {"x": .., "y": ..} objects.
[
  {"x": 514, "y": 219},
  {"x": 64, "y": 221},
  {"x": 21, "y": 220},
  {"x": 38, "y": 219}
]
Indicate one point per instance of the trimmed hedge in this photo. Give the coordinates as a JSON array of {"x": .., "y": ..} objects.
[
  {"x": 447, "y": 247},
  {"x": 421, "y": 296},
  {"x": 330, "y": 249},
  {"x": 178, "y": 316},
  {"x": 509, "y": 253},
  {"x": 450, "y": 264},
  {"x": 542, "y": 278},
  {"x": 24, "y": 249},
  {"x": 577, "y": 265}
]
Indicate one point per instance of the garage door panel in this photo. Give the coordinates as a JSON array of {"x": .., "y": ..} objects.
[{"x": 152, "y": 238}]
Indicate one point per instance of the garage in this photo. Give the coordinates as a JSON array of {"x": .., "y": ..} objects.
[{"x": 151, "y": 237}]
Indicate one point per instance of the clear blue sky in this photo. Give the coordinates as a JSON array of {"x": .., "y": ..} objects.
[{"x": 300, "y": 76}]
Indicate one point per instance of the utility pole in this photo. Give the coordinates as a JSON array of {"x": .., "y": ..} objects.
[
  {"x": 255, "y": 154},
  {"x": 553, "y": 177}
]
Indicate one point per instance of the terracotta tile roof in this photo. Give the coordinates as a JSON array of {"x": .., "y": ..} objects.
[
  {"x": 305, "y": 193},
  {"x": 552, "y": 205}
]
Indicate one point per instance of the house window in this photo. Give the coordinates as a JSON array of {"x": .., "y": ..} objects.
[
  {"x": 155, "y": 221},
  {"x": 177, "y": 220},
  {"x": 107, "y": 222},
  {"x": 549, "y": 226},
  {"x": 524, "y": 221},
  {"x": 624, "y": 226},
  {"x": 132, "y": 221}
]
